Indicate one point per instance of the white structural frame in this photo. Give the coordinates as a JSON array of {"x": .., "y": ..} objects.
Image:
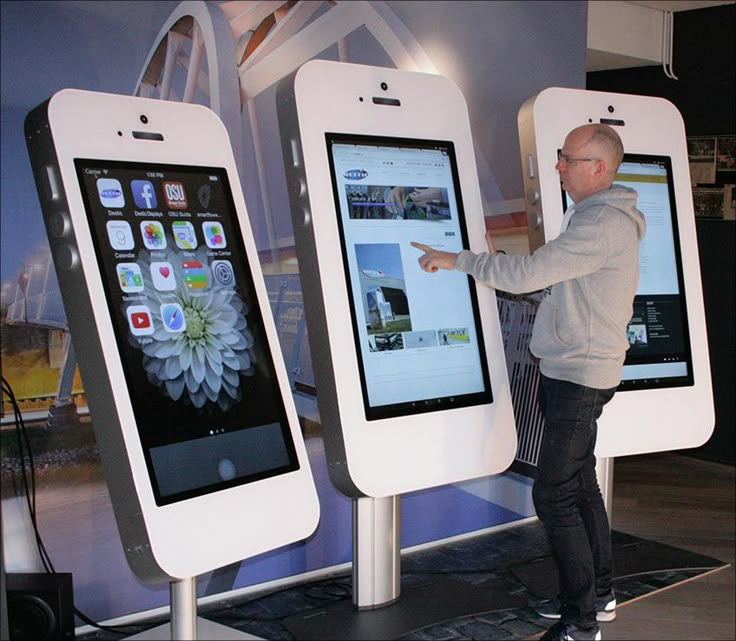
[{"x": 415, "y": 451}]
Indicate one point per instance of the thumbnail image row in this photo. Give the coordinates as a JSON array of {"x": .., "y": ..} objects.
[{"x": 411, "y": 340}]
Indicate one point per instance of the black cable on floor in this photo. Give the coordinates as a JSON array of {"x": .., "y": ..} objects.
[{"x": 29, "y": 488}]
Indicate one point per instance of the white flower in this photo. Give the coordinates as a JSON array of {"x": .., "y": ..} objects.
[{"x": 205, "y": 362}]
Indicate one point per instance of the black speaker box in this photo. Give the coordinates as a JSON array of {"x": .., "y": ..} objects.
[{"x": 40, "y": 606}]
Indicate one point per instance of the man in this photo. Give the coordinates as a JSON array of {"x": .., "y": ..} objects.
[{"x": 589, "y": 274}]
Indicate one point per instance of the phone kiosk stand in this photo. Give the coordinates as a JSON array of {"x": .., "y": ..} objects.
[
  {"x": 400, "y": 409},
  {"x": 185, "y": 624},
  {"x": 665, "y": 399},
  {"x": 201, "y": 449}
]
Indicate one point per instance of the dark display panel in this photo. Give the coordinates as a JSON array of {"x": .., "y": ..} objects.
[{"x": 189, "y": 330}]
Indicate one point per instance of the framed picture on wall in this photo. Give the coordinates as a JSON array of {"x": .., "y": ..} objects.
[
  {"x": 726, "y": 153},
  {"x": 708, "y": 202},
  {"x": 701, "y": 151}
]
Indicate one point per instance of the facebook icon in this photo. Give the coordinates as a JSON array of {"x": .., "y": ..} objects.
[{"x": 144, "y": 194}]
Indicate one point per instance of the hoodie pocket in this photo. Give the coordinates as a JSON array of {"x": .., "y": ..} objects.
[{"x": 547, "y": 339}]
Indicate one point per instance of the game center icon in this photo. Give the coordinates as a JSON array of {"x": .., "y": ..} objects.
[{"x": 214, "y": 235}]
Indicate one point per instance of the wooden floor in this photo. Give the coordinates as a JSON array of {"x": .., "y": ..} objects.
[{"x": 689, "y": 503}]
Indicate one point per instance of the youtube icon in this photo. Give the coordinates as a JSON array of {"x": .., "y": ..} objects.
[{"x": 139, "y": 320}]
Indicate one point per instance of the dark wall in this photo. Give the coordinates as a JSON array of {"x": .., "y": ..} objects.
[{"x": 704, "y": 61}]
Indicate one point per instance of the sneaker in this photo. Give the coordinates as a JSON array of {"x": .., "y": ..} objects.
[
  {"x": 567, "y": 632},
  {"x": 605, "y": 608}
]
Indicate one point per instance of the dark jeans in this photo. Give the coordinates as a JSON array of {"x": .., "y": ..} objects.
[{"x": 567, "y": 498}]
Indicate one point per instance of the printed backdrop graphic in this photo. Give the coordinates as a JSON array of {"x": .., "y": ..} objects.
[{"x": 102, "y": 46}]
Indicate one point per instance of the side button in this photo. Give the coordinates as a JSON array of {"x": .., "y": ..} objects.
[
  {"x": 295, "y": 157},
  {"x": 53, "y": 182},
  {"x": 66, "y": 257}
]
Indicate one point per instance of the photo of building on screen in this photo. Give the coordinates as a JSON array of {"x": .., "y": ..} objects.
[{"x": 383, "y": 288}]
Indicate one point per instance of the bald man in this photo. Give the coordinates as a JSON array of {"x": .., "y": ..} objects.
[{"x": 589, "y": 275}]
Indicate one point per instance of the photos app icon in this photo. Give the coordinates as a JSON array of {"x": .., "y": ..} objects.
[{"x": 152, "y": 232}]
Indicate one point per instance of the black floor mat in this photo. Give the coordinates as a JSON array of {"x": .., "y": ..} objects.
[
  {"x": 632, "y": 557},
  {"x": 476, "y": 588}
]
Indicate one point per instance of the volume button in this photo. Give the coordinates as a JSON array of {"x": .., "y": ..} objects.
[
  {"x": 301, "y": 186},
  {"x": 59, "y": 224},
  {"x": 66, "y": 257}
]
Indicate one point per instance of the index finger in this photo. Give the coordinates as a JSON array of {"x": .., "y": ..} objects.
[{"x": 424, "y": 248}]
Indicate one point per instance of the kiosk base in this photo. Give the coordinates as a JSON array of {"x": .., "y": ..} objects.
[
  {"x": 205, "y": 630},
  {"x": 420, "y": 606}
]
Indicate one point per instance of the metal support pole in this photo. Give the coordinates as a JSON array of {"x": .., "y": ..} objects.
[
  {"x": 185, "y": 624},
  {"x": 376, "y": 551},
  {"x": 604, "y": 472},
  {"x": 183, "y": 596}
]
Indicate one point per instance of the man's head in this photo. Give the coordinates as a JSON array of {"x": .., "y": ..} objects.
[{"x": 589, "y": 159}]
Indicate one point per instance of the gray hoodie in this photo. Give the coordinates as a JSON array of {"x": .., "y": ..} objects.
[{"x": 592, "y": 267}]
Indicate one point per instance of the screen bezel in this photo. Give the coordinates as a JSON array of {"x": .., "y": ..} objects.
[
  {"x": 418, "y": 406},
  {"x": 687, "y": 380},
  {"x": 235, "y": 242}
]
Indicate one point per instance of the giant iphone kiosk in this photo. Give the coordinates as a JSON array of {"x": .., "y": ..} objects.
[
  {"x": 665, "y": 397},
  {"x": 409, "y": 367},
  {"x": 192, "y": 411},
  {"x": 411, "y": 376}
]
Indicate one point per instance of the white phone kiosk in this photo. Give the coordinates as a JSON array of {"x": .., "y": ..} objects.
[
  {"x": 665, "y": 398},
  {"x": 171, "y": 325},
  {"x": 410, "y": 370}
]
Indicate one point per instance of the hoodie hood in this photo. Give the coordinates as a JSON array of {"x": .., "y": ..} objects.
[{"x": 622, "y": 198}]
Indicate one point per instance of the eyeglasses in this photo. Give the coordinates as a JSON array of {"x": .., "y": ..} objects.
[{"x": 568, "y": 160}]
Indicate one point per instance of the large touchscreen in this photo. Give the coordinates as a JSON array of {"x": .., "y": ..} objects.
[
  {"x": 188, "y": 325},
  {"x": 659, "y": 344},
  {"x": 418, "y": 340}
]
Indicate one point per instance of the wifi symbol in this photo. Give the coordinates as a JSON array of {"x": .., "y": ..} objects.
[{"x": 105, "y": 171}]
